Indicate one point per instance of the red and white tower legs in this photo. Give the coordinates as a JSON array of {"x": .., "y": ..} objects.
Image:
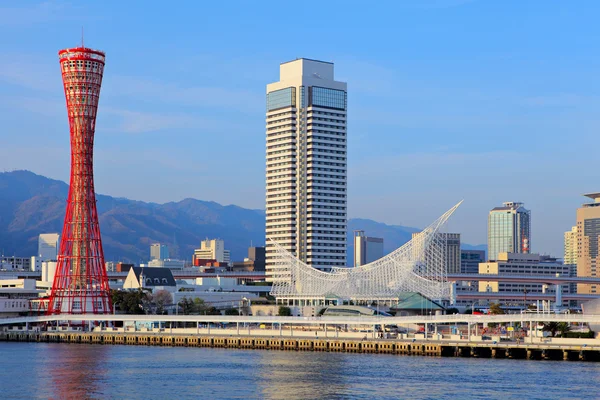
[{"x": 80, "y": 284}]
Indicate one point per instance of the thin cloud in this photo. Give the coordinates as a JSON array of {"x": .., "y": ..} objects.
[
  {"x": 135, "y": 122},
  {"x": 30, "y": 72},
  {"x": 195, "y": 96}
]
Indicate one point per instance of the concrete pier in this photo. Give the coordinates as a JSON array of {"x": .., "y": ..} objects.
[{"x": 529, "y": 351}]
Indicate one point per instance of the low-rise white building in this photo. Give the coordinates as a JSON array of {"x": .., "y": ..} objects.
[
  {"x": 15, "y": 296},
  {"x": 523, "y": 264},
  {"x": 168, "y": 263},
  {"x": 12, "y": 263}
]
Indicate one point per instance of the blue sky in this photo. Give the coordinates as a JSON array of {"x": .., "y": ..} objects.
[{"x": 487, "y": 101}]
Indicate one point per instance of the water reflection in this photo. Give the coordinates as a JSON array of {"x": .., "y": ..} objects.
[
  {"x": 71, "y": 371},
  {"x": 76, "y": 371},
  {"x": 294, "y": 375}
]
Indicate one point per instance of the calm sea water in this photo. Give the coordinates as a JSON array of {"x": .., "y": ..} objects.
[{"x": 54, "y": 370}]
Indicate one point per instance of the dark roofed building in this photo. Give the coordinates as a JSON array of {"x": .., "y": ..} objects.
[{"x": 149, "y": 278}]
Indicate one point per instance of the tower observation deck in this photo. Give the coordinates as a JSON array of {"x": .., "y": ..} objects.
[{"x": 80, "y": 283}]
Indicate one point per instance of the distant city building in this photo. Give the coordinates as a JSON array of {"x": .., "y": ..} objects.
[
  {"x": 306, "y": 166},
  {"x": 469, "y": 261},
  {"x": 366, "y": 249},
  {"x": 522, "y": 264},
  {"x": 120, "y": 266},
  {"x": 212, "y": 250},
  {"x": 12, "y": 263},
  {"x": 159, "y": 251},
  {"x": 588, "y": 241},
  {"x": 451, "y": 250},
  {"x": 168, "y": 263},
  {"x": 48, "y": 244},
  {"x": 509, "y": 230},
  {"x": 110, "y": 266},
  {"x": 254, "y": 262},
  {"x": 570, "y": 256}
]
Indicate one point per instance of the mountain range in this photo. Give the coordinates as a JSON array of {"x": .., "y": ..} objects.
[{"x": 31, "y": 204}]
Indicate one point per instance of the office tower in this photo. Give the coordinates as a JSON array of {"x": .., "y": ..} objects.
[
  {"x": 588, "y": 241},
  {"x": 48, "y": 246},
  {"x": 254, "y": 262},
  {"x": 366, "y": 249},
  {"x": 159, "y": 251},
  {"x": 306, "y": 166},
  {"x": 214, "y": 250},
  {"x": 80, "y": 283},
  {"x": 469, "y": 261},
  {"x": 509, "y": 230},
  {"x": 451, "y": 251}
]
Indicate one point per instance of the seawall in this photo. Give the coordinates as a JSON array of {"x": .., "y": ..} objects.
[{"x": 530, "y": 351}]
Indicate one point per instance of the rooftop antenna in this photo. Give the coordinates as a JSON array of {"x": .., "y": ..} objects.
[{"x": 82, "y": 37}]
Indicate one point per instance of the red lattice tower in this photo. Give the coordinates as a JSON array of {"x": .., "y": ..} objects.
[{"x": 80, "y": 283}]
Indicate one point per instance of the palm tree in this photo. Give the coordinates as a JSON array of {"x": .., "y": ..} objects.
[
  {"x": 551, "y": 327},
  {"x": 564, "y": 327}
]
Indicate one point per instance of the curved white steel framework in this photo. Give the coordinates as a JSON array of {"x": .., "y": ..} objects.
[{"x": 417, "y": 266}]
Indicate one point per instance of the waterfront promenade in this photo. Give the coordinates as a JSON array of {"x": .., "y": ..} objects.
[{"x": 444, "y": 335}]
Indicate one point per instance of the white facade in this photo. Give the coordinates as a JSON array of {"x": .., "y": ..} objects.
[
  {"x": 522, "y": 264},
  {"x": 366, "y": 249},
  {"x": 15, "y": 263},
  {"x": 159, "y": 251},
  {"x": 48, "y": 271},
  {"x": 172, "y": 264},
  {"x": 570, "y": 257},
  {"x": 213, "y": 249},
  {"x": 306, "y": 166},
  {"x": 48, "y": 244}
]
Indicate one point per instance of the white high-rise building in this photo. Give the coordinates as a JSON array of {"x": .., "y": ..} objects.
[
  {"x": 48, "y": 244},
  {"x": 306, "y": 165}
]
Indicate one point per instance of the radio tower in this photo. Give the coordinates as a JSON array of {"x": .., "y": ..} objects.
[{"x": 80, "y": 283}]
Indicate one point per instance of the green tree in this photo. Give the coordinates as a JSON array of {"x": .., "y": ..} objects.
[
  {"x": 452, "y": 310},
  {"x": 563, "y": 328},
  {"x": 232, "y": 311},
  {"x": 212, "y": 311},
  {"x": 129, "y": 301},
  {"x": 187, "y": 306},
  {"x": 284, "y": 311},
  {"x": 495, "y": 309},
  {"x": 199, "y": 306},
  {"x": 551, "y": 327}
]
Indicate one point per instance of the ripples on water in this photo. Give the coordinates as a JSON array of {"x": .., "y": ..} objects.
[{"x": 53, "y": 370}]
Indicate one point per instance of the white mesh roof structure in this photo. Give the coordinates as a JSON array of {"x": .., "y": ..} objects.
[{"x": 417, "y": 266}]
